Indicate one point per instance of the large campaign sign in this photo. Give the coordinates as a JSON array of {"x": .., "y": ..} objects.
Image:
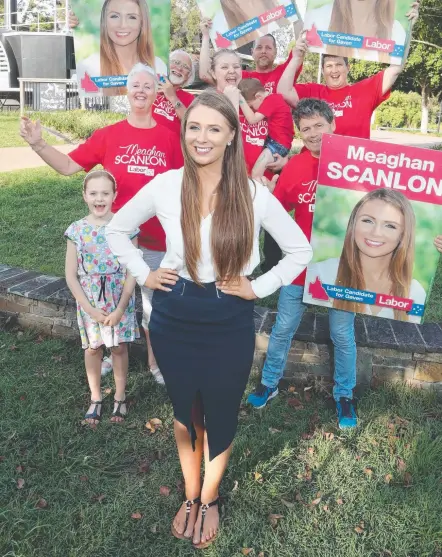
[
  {"x": 238, "y": 22},
  {"x": 112, "y": 35},
  {"x": 377, "y": 32},
  {"x": 378, "y": 209}
]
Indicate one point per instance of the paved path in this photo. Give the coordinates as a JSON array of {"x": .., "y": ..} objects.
[{"x": 17, "y": 158}]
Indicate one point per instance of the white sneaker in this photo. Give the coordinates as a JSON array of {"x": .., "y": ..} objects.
[
  {"x": 157, "y": 375},
  {"x": 106, "y": 365}
]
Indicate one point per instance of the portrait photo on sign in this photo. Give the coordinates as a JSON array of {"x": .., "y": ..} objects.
[
  {"x": 111, "y": 36},
  {"x": 238, "y": 22},
  {"x": 373, "y": 30},
  {"x": 376, "y": 215}
]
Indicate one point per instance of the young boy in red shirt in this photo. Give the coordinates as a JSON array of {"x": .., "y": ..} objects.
[{"x": 256, "y": 104}]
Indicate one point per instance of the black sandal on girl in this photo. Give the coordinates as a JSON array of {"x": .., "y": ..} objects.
[
  {"x": 94, "y": 415},
  {"x": 117, "y": 411},
  {"x": 189, "y": 504},
  {"x": 204, "y": 509}
]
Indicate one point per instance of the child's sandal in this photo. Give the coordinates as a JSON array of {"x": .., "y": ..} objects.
[
  {"x": 189, "y": 504},
  {"x": 204, "y": 509},
  {"x": 117, "y": 411},
  {"x": 94, "y": 415}
]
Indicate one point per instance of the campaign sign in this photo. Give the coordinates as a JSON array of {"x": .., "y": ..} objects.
[
  {"x": 381, "y": 35},
  {"x": 112, "y": 35},
  {"x": 378, "y": 209},
  {"x": 238, "y": 22}
]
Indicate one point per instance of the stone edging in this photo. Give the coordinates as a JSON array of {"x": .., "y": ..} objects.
[{"x": 387, "y": 349}]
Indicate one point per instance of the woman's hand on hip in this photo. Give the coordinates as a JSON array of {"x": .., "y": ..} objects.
[
  {"x": 240, "y": 287},
  {"x": 159, "y": 279}
]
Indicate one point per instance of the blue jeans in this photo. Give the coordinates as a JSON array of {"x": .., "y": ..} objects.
[{"x": 342, "y": 334}]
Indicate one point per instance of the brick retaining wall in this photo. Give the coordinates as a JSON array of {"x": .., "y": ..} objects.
[{"x": 387, "y": 350}]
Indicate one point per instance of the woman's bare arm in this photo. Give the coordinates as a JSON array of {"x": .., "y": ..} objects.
[
  {"x": 62, "y": 163},
  {"x": 205, "y": 62}
]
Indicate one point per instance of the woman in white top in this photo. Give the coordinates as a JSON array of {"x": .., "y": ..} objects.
[
  {"x": 377, "y": 255},
  {"x": 201, "y": 326}
]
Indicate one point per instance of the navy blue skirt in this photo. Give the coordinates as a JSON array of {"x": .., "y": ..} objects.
[{"x": 203, "y": 341}]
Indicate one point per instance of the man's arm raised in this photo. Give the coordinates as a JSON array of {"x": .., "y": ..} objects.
[{"x": 393, "y": 71}]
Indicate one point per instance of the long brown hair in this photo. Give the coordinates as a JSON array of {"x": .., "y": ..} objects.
[
  {"x": 350, "y": 272},
  {"x": 232, "y": 229},
  {"x": 109, "y": 61},
  {"x": 342, "y": 18}
]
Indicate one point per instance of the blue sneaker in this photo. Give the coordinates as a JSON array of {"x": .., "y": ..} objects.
[
  {"x": 262, "y": 395},
  {"x": 346, "y": 413}
]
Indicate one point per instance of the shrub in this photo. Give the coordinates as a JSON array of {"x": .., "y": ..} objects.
[
  {"x": 402, "y": 110},
  {"x": 77, "y": 124}
]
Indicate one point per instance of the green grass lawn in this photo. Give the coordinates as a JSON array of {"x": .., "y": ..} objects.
[
  {"x": 68, "y": 490},
  {"x": 36, "y": 207},
  {"x": 9, "y": 137}
]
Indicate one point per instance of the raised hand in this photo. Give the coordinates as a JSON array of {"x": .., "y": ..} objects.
[
  {"x": 167, "y": 89},
  {"x": 30, "y": 131},
  {"x": 301, "y": 46},
  {"x": 205, "y": 26},
  {"x": 413, "y": 14},
  {"x": 73, "y": 20}
]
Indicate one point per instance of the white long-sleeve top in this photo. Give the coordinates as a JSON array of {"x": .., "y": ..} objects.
[{"x": 162, "y": 197}]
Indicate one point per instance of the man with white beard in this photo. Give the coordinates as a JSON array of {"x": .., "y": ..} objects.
[{"x": 171, "y": 102}]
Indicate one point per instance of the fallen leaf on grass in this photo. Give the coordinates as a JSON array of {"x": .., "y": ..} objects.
[
  {"x": 288, "y": 504},
  {"x": 41, "y": 504},
  {"x": 84, "y": 478},
  {"x": 339, "y": 501},
  {"x": 2, "y": 458},
  {"x": 39, "y": 340},
  {"x": 99, "y": 498},
  {"x": 107, "y": 391},
  {"x": 310, "y": 450},
  {"x": 180, "y": 486},
  {"x": 316, "y": 501},
  {"x": 307, "y": 396},
  {"x": 23, "y": 397},
  {"x": 359, "y": 530},
  {"x": 246, "y": 550},
  {"x": 388, "y": 478},
  {"x": 19, "y": 468},
  {"x": 273, "y": 430},
  {"x": 325, "y": 508},
  {"x": 261, "y": 554},
  {"x": 154, "y": 528},
  {"x": 153, "y": 424},
  {"x": 13, "y": 348},
  {"x": 136, "y": 516},
  {"x": 329, "y": 436},
  {"x": 258, "y": 477},
  {"x": 368, "y": 472},
  {"x": 235, "y": 486},
  {"x": 164, "y": 490},
  {"x": 306, "y": 436},
  {"x": 144, "y": 467},
  {"x": 273, "y": 519},
  {"x": 308, "y": 388},
  {"x": 20, "y": 483},
  {"x": 291, "y": 389},
  {"x": 407, "y": 479},
  {"x": 357, "y": 457},
  {"x": 295, "y": 403},
  {"x": 57, "y": 358},
  {"x": 401, "y": 465}
]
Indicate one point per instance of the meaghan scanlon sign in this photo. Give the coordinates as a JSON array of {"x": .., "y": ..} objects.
[
  {"x": 378, "y": 209},
  {"x": 238, "y": 22},
  {"x": 112, "y": 35},
  {"x": 340, "y": 28}
]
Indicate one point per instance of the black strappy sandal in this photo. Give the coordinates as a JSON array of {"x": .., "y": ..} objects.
[
  {"x": 94, "y": 415},
  {"x": 189, "y": 505},
  {"x": 204, "y": 509},
  {"x": 117, "y": 412}
]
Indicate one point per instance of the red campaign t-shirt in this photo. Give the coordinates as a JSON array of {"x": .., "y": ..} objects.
[
  {"x": 271, "y": 79},
  {"x": 164, "y": 112},
  {"x": 253, "y": 138},
  {"x": 279, "y": 118},
  {"x": 352, "y": 105},
  {"x": 296, "y": 189},
  {"x": 134, "y": 156}
]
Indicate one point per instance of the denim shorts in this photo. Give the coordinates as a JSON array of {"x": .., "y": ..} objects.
[{"x": 275, "y": 148}]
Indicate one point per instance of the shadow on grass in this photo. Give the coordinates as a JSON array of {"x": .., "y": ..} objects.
[{"x": 283, "y": 463}]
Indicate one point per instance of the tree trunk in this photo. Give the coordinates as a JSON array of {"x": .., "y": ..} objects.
[{"x": 425, "y": 108}]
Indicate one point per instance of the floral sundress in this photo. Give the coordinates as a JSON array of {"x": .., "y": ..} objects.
[{"x": 102, "y": 279}]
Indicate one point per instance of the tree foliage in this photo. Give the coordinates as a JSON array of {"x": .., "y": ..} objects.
[{"x": 184, "y": 26}]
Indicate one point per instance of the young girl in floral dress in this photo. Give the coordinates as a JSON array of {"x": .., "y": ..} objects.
[{"x": 104, "y": 292}]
